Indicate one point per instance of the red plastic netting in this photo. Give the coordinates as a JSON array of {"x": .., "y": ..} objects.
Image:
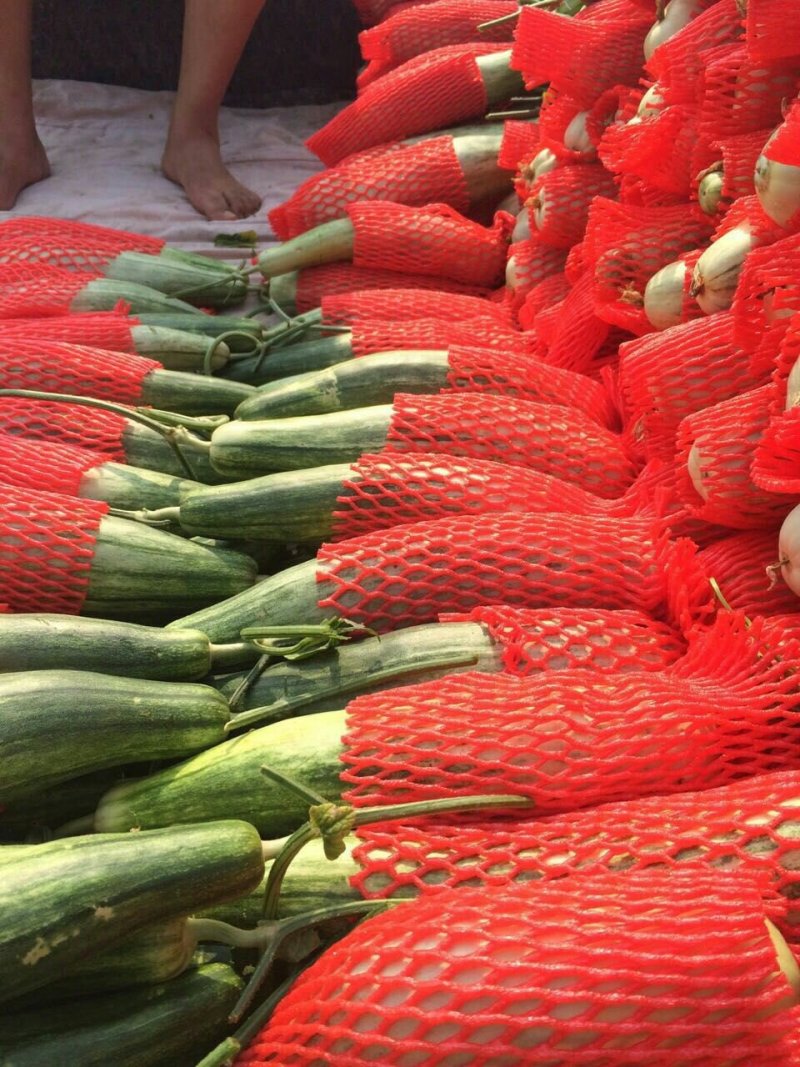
[
  {"x": 776, "y": 460},
  {"x": 665, "y": 376},
  {"x": 68, "y": 243},
  {"x": 413, "y": 174},
  {"x": 585, "y": 55},
  {"x": 739, "y": 154},
  {"x": 42, "y": 420},
  {"x": 559, "y": 205},
  {"x": 560, "y": 639},
  {"x": 389, "y": 490},
  {"x": 77, "y": 370},
  {"x": 569, "y": 740},
  {"x": 546, "y": 437},
  {"x": 557, "y": 112},
  {"x": 661, "y": 147},
  {"x": 765, "y": 23},
  {"x": 627, "y": 244},
  {"x": 46, "y": 548},
  {"x": 604, "y": 970},
  {"x": 738, "y": 565},
  {"x": 383, "y": 335},
  {"x": 544, "y": 294},
  {"x": 572, "y": 334},
  {"x": 414, "y": 30},
  {"x": 401, "y": 305},
  {"x": 35, "y": 289},
  {"x": 43, "y": 465},
  {"x": 530, "y": 262},
  {"x": 740, "y": 94},
  {"x": 515, "y": 373},
  {"x": 721, "y": 440},
  {"x": 768, "y": 290},
  {"x": 101, "y": 329},
  {"x": 314, "y": 284},
  {"x": 372, "y": 11},
  {"x": 412, "y": 573},
  {"x": 520, "y": 143},
  {"x": 677, "y": 64},
  {"x": 433, "y": 240},
  {"x": 440, "y": 88}
]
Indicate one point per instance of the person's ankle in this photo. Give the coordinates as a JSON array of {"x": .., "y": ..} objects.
[{"x": 23, "y": 162}]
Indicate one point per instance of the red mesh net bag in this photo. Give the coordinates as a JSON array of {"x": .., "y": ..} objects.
[
  {"x": 440, "y": 88},
  {"x": 68, "y": 423},
  {"x": 515, "y": 373},
  {"x": 46, "y": 549},
  {"x": 767, "y": 292},
  {"x": 739, "y": 154},
  {"x": 412, "y": 573},
  {"x": 79, "y": 370},
  {"x": 740, "y": 94},
  {"x": 718, "y": 444},
  {"x": 110, "y": 330},
  {"x": 316, "y": 283},
  {"x": 737, "y": 564},
  {"x": 546, "y": 437},
  {"x": 661, "y": 147},
  {"x": 68, "y": 243},
  {"x": 606, "y": 642},
  {"x": 543, "y": 295},
  {"x": 401, "y": 305},
  {"x": 571, "y": 332},
  {"x": 414, "y": 174},
  {"x": 765, "y": 29},
  {"x": 36, "y": 289},
  {"x": 381, "y": 335},
  {"x": 677, "y": 64},
  {"x": 531, "y": 261},
  {"x": 42, "y": 465},
  {"x": 433, "y": 240},
  {"x": 559, "y": 205},
  {"x": 574, "y": 739},
  {"x": 422, "y": 28},
  {"x": 391, "y": 489},
  {"x": 585, "y": 55},
  {"x": 665, "y": 376},
  {"x": 776, "y": 460},
  {"x": 520, "y": 143},
  {"x": 602, "y": 970},
  {"x": 557, "y": 112}
]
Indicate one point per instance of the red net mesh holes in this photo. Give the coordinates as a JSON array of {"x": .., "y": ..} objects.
[
  {"x": 78, "y": 370},
  {"x": 402, "y": 304},
  {"x": 316, "y": 283},
  {"x": 677, "y": 64},
  {"x": 601, "y": 970},
  {"x": 559, "y": 205},
  {"x": 441, "y": 88},
  {"x": 68, "y": 243},
  {"x": 573, "y": 739},
  {"x": 519, "y": 146},
  {"x": 717, "y": 446},
  {"x": 412, "y": 573},
  {"x": 572, "y": 334},
  {"x": 392, "y": 489},
  {"x": 767, "y": 293},
  {"x": 46, "y": 549},
  {"x": 766, "y": 36},
  {"x": 558, "y": 639},
  {"x": 582, "y": 56},
  {"x": 738, "y": 155},
  {"x": 659, "y": 149},
  {"x": 43, "y": 420},
  {"x": 560, "y": 441},
  {"x": 530, "y": 263},
  {"x": 515, "y": 373},
  {"x": 43, "y": 465},
  {"x": 776, "y": 460},
  {"x": 740, "y": 94},
  {"x": 100, "y": 329},
  {"x": 34, "y": 289},
  {"x": 382, "y": 335},
  {"x": 666, "y": 376},
  {"x": 424, "y": 173},
  {"x": 430, "y": 240}
]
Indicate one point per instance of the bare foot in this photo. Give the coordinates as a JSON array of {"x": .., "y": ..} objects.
[
  {"x": 194, "y": 162},
  {"x": 21, "y": 164}
]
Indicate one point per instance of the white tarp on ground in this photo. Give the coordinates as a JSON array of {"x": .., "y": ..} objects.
[{"x": 104, "y": 143}]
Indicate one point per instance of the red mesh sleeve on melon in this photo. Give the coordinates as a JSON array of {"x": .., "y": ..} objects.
[
  {"x": 768, "y": 290},
  {"x": 558, "y": 639},
  {"x": 560, "y": 202},
  {"x": 582, "y": 57},
  {"x": 619, "y": 970},
  {"x": 739, "y": 154},
  {"x": 573, "y": 740},
  {"x": 60, "y": 367},
  {"x": 557, "y": 112},
  {"x": 410, "y": 574},
  {"x": 534, "y": 262},
  {"x": 101, "y": 329},
  {"x": 661, "y": 149},
  {"x": 43, "y": 420},
  {"x": 776, "y": 462},
  {"x": 441, "y": 88},
  {"x": 571, "y": 331},
  {"x": 765, "y": 23},
  {"x": 544, "y": 294},
  {"x": 520, "y": 143},
  {"x": 406, "y": 174},
  {"x": 68, "y": 243},
  {"x": 316, "y": 283},
  {"x": 725, "y": 438},
  {"x": 677, "y": 64},
  {"x": 48, "y": 466},
  {"x": 557, "y": 440},
  {"x": 422, "y": 28},
  {"x": 433, "y": 240},
  {"x": 382, "y": 336},
  {"x": 401, "y": 304},
  {"x": 515, "y": 373},
  {"x": 391, "y": 489},
  {"x": 46, "y": 549},
  {"x": 668, "y": 375},
  {"x": 740, "y": 94},
  {"x": 37, "y": 289}
]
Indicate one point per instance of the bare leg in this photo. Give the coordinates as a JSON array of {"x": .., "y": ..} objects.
[
  {"x": 214, "y": 34},
  {"x": 23, "y": 160}
]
